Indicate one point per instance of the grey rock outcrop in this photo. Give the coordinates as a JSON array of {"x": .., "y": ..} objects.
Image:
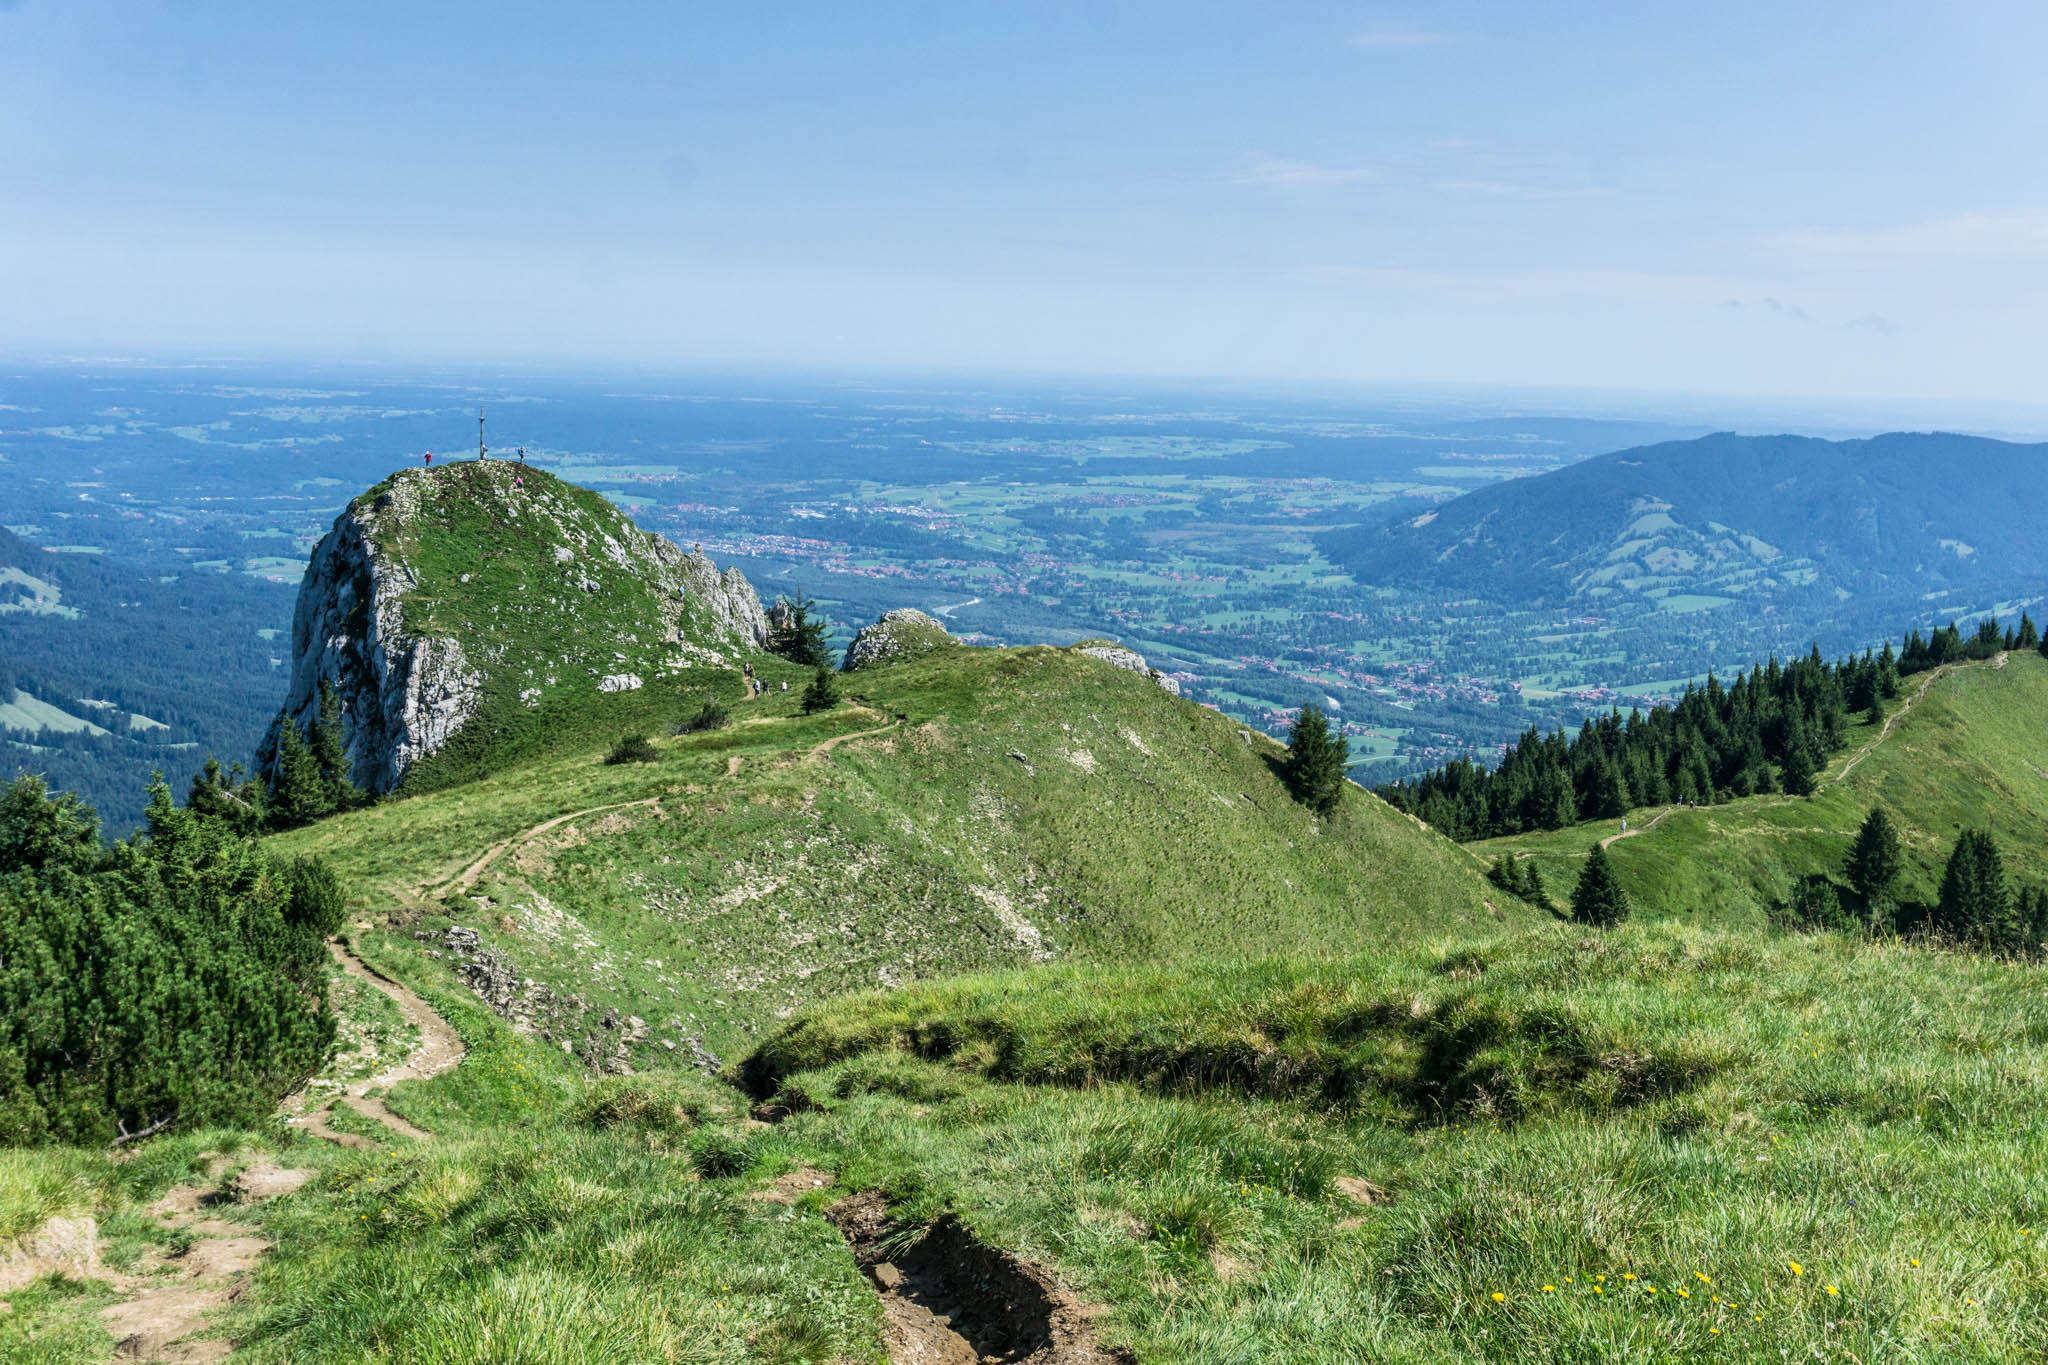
[
  {"x": 524, "y": 608},
  {"x": 900, "y": 634},
  {"x": 403, "y": 695},
  {"x": 1117, "y": 656}
]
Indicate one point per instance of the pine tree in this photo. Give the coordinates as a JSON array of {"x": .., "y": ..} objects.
[
  {"x": 1874, "y": 864},
  {"x": 324, "y": 741},
  {"x": 2030, "y": 634},
  {"x": 822, "y": 694},
  {"x": 298, "y": 796},
  {"x": 1598, "y": 899},
  {"x": 1316, "y": 760},
  {"x": 1796, "y": 772},
  {"x": 1976, "y": 904},
  {"x": 796, "y": 636},
  {"x": 1535, "y": 892}
]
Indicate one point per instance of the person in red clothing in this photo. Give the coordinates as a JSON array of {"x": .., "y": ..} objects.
[{"x": 430, "y": 459}]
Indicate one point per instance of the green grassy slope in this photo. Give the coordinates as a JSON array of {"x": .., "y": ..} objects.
[
  {"x": 968, "y": 809},
  {"x": 1970, "y": 751},
  {"x": 1604, "y": 1148}
]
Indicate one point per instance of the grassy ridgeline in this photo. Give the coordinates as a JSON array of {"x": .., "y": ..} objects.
[
  {"x": 970, "y": 809},
  {"x": 1969, "y": 752}
]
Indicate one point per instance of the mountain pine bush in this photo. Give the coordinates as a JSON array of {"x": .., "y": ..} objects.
[{"x": 177, "y": 978}]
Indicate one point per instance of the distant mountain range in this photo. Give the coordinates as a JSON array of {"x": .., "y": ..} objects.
[{"x": 1694, "y": 524}]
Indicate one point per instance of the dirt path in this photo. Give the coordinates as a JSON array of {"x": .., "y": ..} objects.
[
  {"x": 167, "y": 1302},
  {"x": 462, "y": 881},
  {"x": 826, "y": 746},
  {"x": 1884, "y": 731},
  {"x": 1643, "y": 828},
  {"x": 440, "y": 1049}
]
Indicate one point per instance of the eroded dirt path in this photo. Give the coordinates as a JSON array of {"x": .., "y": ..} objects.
[
  {"x": 439, "y": 1050},
  {"x": 949, "y": 1299},
  {"x": 826, "y": 746},
  {"x": 167, "y": 1302},
  {"x": 1884, "y": 731},
  {"x": 461, "y": 882},
  {"x": 168, "y": 1298}
]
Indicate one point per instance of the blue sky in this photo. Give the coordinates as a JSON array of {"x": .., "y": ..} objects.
[{"x": 1741, "y": 198}]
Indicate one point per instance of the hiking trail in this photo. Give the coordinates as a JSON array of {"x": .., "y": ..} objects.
[{"x": 169, "y": 1300}]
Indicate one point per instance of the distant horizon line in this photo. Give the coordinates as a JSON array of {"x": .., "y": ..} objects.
[{"x": 1553, "y": 401}]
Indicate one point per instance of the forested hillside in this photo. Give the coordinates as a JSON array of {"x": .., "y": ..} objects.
[
  {"x": 109, "y": 673},
  {"x": 1772, "y": 729},
  {"x": 1962, "y": 749}
]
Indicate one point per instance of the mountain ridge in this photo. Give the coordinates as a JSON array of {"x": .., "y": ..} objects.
[{"x": 1726, "y": 516}]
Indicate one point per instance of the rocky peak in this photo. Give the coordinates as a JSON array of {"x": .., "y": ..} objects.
[
  {"x": 483, "y": 587},
  {"x": 900, "y": 634}
]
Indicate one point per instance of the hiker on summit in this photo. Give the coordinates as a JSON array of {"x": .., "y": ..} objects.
[{"x": 430, "y": 459}]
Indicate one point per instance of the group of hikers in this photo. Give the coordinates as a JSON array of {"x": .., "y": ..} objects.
[{"x": 757, "y": 686}]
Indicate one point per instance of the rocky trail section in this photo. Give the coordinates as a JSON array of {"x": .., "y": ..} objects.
[
  {"x": 167, "y": 1301},
  {"x": 439, "y": 1050},
  {"x": 949, "y": 1299}
]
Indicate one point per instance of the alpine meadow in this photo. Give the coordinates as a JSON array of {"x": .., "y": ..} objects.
[{"x": 1057, "y": 685}]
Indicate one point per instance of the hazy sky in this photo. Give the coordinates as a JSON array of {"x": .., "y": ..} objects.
[{"x": 1750, "y": 198}]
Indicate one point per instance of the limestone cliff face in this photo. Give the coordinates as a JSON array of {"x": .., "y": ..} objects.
[{"x": 478, "y": 589}]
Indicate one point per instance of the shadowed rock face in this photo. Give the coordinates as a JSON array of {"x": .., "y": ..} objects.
[{"x": 576, "y": 593}]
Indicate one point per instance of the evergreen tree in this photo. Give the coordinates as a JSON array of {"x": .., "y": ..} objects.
[
  {"x": 822, "y": 694},
  {"x": 2030, "y": 634},
  {"x": 1796, "y": 772},
  {"x": 1876, "y": 715},
  {"x": 1874, "y": 865},
  {"x": 228, "y": 796},
  {"x": 175, "y": 979},
  {"x": 1976, "y": 905},
  {"x": 330, "y": 755},
  {"x": 298, "y": 794},
  {"x": 1598, "y": 899},
  {"x": 796, "y": 636},
  {"x": 1535, "y": 892},
  {"x": 1316, "y": 760}
]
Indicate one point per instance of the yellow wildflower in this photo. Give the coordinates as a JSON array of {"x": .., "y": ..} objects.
[
  {"x": 1550, "y": 1289},
  {"x": 1834, "y": 1293},
  {"x": 1701, "y": 1276},
  {"x": 1499, "y": 1297},
  {"x": 1913, "y": 1261},
  {"x": 1598, "y": 1290},
  {"x": 1795, "y": 1267},
  {"x": 1682, "y": 1293},
  {"x": 1628, "y": 1275}
]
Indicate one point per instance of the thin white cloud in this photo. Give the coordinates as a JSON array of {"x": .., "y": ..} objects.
[
  {"x": 2020, "y": 234},
  {"x": 1289, "y": 173},
  {"x": 1398, "y": 37}
]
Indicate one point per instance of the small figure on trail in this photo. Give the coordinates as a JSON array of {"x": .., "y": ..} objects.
[
  {"x": 785, "y": 684},
  {"x": 430, "y": 459},
  {"x": 519, "y": 481},
  {"x": 522, "y": 454},
  {"x": 1624, "y": 824}
]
